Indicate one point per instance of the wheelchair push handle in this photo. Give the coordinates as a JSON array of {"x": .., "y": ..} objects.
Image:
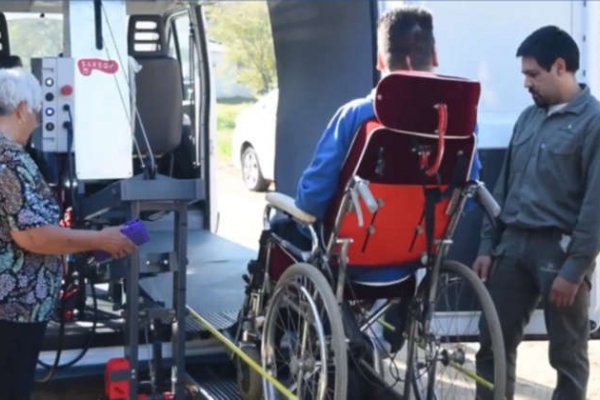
[
  {"x": 442, "y": 110},
  {"x": 365, "y": 193},
  {"x": 488, "y": 202}
]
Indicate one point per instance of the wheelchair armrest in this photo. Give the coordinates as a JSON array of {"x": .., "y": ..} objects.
[{"x": 286, "y": 204}]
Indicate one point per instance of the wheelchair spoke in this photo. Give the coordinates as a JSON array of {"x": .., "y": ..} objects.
[
  {"x": 445, "y": 356},
  {"x": 298, "y": 341}
]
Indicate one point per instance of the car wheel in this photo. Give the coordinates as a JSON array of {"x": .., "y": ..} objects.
[{"x": 251, "y": 173}]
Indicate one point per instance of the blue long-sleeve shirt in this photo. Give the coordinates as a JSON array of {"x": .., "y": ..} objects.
[{"x": 320, "y": 179}]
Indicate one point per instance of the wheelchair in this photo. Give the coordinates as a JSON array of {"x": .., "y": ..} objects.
[{"x": 310, "y": 310}]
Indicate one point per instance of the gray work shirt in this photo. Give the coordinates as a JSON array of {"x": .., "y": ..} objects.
[{"x": 554, "y": 180}]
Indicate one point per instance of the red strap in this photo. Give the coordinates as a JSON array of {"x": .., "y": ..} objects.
[{"x": 441, "y": 131}]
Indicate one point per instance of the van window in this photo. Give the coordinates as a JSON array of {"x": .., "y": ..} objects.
[
  {"x": 180, "y": 43},
  {"x": 34, "y": 35}
]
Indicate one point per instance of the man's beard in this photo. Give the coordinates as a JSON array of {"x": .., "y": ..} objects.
[{"x": 537, "y": 99}]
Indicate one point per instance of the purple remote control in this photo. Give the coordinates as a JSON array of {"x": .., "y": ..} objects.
[{"x": 134, "y": 230}]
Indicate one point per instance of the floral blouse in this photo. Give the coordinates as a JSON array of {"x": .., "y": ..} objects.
[{"x": 29, "y": 283}]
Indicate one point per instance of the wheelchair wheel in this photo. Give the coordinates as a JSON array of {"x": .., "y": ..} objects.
[
  {"x": 303, "y": 342},
  {"x": 443, "y": 359}
]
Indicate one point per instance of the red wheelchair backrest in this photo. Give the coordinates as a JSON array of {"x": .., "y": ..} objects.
[{"x": 396, "y": 153}]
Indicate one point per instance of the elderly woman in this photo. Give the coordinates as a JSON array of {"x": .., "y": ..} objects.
[{"x": 31, "y": 241}]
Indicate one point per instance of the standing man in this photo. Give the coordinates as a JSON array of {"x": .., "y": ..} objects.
[{"x": 549, "y": 230}]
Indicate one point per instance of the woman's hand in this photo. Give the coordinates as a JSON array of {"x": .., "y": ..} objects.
[
  {"x": 114, "y": 242},
  {"x": 50, "y": 239}
]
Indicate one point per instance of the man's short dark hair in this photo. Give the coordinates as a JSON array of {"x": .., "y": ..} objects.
[
  {"x": 406, "y": 32},
  {"x": 549, "y": 43}
]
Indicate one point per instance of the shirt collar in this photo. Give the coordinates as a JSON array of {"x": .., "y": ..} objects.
[
  {"x": 578, "y": 103},
  {"x": 553, "y": 109}
]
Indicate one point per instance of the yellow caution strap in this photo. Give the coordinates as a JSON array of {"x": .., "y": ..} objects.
[{"x": 243, "y": 356}]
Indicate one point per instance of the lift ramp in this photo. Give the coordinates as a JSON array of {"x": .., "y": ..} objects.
[
  {"x": 215, "y": 290},
  {"x": 215, "y": 287}
]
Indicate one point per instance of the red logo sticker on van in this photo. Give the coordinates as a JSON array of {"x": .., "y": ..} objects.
[{"x": 87, "y": 65}]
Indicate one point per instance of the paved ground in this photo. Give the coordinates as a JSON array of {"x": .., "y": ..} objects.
[
  {"x": 535, "y": 377},
  {"x": 240, "y": 210},
  {"x": 241, "y": 221}
]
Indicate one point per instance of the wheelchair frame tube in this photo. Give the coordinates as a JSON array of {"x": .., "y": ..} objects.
[{"x": 455, "y": 208}]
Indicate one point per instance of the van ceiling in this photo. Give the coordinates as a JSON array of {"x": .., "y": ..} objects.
[{"x": 53, "y": 6}]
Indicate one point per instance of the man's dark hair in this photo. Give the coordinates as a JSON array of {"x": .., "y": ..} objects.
[
  {"x": 406, "y": 31},
  {"x": 549, "y": 43}
]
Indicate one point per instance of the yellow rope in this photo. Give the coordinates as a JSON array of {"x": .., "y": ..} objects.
[
  {"x": 240, "y": 353},
  {"x": 473, "y": 375},
  {"x": 386, "y": 325}
]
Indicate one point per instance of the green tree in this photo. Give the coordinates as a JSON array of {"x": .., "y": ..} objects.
[{"x": 243, "y": 27}]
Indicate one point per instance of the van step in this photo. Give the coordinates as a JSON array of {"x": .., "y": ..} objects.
[
  {"x": 220, "y": 390},
  {"x": 216, "y": 383}
]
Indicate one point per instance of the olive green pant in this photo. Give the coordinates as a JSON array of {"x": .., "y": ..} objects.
[{"x": 526, "y": 265}]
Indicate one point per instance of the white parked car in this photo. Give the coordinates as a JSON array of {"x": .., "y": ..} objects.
[{"x": 253, "y": 148}]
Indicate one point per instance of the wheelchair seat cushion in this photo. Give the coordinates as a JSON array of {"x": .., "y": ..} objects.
[{"x": 367, "y": 276}]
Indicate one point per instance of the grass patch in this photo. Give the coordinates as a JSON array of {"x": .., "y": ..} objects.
[
  {"x": 227, "y": 112},
  {"x": 236, "y": 100}
]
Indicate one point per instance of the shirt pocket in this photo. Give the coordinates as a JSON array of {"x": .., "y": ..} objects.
[
  {"x": 561, "y": 142},
  {"x": 559, "y": 163}
]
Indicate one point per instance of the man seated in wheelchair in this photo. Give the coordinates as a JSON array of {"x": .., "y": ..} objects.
[
  {"x": 405, "y": 42},
  {"x": 383, "y": 189}
]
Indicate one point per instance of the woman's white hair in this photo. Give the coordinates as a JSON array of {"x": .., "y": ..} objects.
[{"x": 16, "y": 86}]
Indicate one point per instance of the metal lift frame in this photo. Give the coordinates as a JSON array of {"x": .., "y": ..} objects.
[{"x": 160, "y": 194}]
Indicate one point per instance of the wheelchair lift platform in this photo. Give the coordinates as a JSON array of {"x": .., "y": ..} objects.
[{"x": 215, "y": 288}]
